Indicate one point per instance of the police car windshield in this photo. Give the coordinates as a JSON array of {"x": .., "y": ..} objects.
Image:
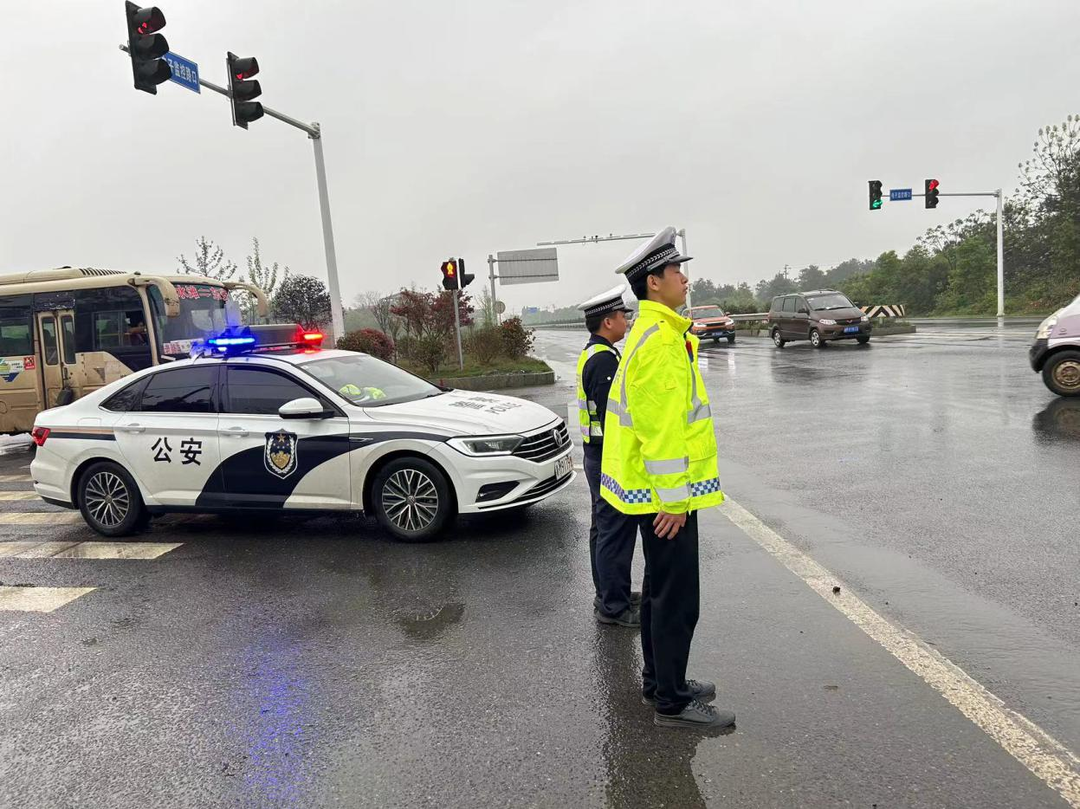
[{"x": 369, "y": 382}]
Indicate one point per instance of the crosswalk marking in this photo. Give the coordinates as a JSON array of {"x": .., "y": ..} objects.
[
  {"x": 23, "y": 549},
  {"x": 19, "y": 496},
  {"x": 15, "y": 479},
  {"x": 41, "y": 518},
  {"x": 118, "y": 550},
  {"x": 40, "y": 550},
  {"x": 39, "y": 599}
]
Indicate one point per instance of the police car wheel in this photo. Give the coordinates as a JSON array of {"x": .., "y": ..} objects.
[
  {"x": 411, "y": 499},
  {"x": 110, "y": 501}
]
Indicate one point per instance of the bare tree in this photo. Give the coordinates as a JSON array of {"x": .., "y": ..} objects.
[
  {"x": 209, "y": 261},
  {"x": 265, "y": 277},
  {"x": 381, "y": 308}
]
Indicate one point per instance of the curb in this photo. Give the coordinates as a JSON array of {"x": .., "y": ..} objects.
[{"x": 498, "y": 381}]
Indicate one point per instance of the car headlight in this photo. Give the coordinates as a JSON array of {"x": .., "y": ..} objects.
[
  {"x": 1047, "y": 326},
  {"x": 826, "y": 322},
  {"x": 487, "y": 445},
  {"x": 864, "y": 319}
]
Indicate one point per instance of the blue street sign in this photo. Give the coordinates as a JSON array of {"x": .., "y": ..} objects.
[
  {"x": 899, "y": 194},
  {"x": 184, "y": 71}
]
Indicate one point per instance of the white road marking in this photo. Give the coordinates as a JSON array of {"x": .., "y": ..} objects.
[
  {"x": 118, "y": 550},
  {"x": 39, "y": 599},
  {"x": 86, "y": 550},
  {"x": 42, "y": 518},
  {"x": 19, "y": 496},
  {"x": 1025, "y": 741},
  {"x": 15, "y": 479}
]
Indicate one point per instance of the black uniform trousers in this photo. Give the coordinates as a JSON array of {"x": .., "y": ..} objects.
[
  {"x": 669, "y": 612},
  {"x": 612, "y": 535}
]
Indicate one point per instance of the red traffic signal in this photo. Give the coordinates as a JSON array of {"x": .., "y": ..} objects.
[
  {"x": 145, "y": 47},
  {"x": 931, "y": 188},
  {"x": 244, "y": 110}
]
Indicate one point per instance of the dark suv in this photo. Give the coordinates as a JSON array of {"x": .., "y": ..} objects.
[{"x": 818, "y": 317}]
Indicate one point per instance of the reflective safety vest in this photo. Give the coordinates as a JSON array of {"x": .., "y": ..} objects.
[
  {"x": 588, "y": 418},
  {"x": 659, "y": 444}
]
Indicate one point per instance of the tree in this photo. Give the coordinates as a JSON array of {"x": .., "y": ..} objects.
[
  {"x": 209, "y": 261},
  {"x": 304, "y": 300},
  {"x": 811, "y": 277},
  {"x": 779, "y": 284},
  {"x": 264, "y": 277},
  {"x": 381, "y": 309}
]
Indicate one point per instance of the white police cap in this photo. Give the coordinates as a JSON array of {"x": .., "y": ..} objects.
[
  {"x": 614, "y": 300},
  {"x": 657, "y": 253}
]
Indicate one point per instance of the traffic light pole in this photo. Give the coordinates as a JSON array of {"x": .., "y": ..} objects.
[
  {"x": 457, "y": 327},
  {"x": 1000, "y": 241},
  {"x": 314, "y": 132}
]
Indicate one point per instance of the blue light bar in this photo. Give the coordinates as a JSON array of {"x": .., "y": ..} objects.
[{"x": 231, "y": 341}]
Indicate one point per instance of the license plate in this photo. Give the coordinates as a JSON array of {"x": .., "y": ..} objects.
[
  {"x": 851, "y": 329},
  {"x": 563, "y": 467}
]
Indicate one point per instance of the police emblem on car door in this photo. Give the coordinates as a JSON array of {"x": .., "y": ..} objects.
[{"x": 280, "y": 454}]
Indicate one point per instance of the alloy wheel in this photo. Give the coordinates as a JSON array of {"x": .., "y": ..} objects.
[
  {"x": 410, "y": 500},
  {"x": 107, "y": 499}
]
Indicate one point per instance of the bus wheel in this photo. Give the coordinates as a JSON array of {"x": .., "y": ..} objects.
[{"x": 110, "y": 501}]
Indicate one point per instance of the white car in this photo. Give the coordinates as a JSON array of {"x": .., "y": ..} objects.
[{"x": 282, "y": 426}]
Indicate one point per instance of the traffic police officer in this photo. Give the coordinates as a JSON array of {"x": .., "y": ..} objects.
[
  {"x": 660, "y": 465},
  {"x": 611, "y": 533}
]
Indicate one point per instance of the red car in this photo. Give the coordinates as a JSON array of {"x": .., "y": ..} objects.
[{"x": 710, "y": 322}]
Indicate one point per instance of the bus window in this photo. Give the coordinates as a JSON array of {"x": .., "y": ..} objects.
[
  {"x": 67, "y": 326},
  {"x": 15, "y": 337},
  {"x": 112, "y": 320},
  {"x": 204, "y": 310},
  {"x": 48, "y": 333}
]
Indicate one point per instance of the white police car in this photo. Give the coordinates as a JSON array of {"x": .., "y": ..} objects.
[{"x": 264, "y": 420}]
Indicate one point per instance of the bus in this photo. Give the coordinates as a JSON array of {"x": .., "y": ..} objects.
[{"x": 68, "y": 331}]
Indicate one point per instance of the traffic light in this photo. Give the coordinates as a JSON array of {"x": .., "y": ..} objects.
[
  {"x": 244, "y": 110},
  {"x": 875, "y": 195},
  {"x": 449, "y": 274},
  {"x": 146, "y": 47},
  {"x": 466, "y": 278},
  {"x": 931, "y": 187}
]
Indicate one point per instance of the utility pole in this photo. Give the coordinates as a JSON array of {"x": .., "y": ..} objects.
[{"x": 314, "y": 132}]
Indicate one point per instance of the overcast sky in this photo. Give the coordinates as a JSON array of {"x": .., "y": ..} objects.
[{"x": 466, "y": 128}]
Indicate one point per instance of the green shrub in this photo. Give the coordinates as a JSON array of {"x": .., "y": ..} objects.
[{"x": 517, "y": 341}]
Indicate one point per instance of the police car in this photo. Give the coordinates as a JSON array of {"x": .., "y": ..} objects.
[{"x": 263, "y": 419}]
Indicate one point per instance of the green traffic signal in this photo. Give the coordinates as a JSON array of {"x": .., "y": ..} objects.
[{"x": 875, "y": 195}]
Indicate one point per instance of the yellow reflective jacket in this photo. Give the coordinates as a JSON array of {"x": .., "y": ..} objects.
[
  {"x": 588, "y": 417},
  {"x": 659, "y": 444}
]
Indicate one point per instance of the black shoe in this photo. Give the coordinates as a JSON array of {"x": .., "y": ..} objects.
[
  {"x": 703, "y": 691},
  {"x": 635, "y": 598},
  {"x": 628, "y": 617},
  {"x": 696, "y": 715}
]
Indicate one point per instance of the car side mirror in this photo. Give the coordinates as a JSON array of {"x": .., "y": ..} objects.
[
  {"x": 304, "y": 408},
  {"x": 802, "y": 310}
]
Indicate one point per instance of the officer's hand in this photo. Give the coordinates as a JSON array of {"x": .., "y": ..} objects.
[{"x": 667, "y": 525}]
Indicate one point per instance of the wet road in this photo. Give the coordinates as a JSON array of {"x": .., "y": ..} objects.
[{"x": 309, "y": 663}]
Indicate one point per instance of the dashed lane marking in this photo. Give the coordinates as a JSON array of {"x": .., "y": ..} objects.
[
  {"x": 86, "y": 550},
  {"x": 41, "y": 518},
  {"x": 1025, "y": 741},
  {"x": 39, "y": 599},
  {"x": 15, "y": 479},
  {"x": 19, "y": 496}
]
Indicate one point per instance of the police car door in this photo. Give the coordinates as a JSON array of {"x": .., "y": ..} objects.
[
  {"x": 272, "y": 462},
  {"x": 169, "y": 437}
]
